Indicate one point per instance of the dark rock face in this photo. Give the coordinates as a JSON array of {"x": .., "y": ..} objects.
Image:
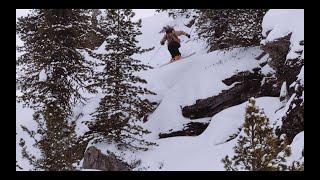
[
  {"x": 255, "y": 84},
  {"x": 94, "y": 159},
  {"x": 270, "y": 87},
  {"x": 248, "y": 85},
  {"x": 191, "y": 129},
  {"x": 293, "y": 121},
  {"x": 278, "y": 51},
  {"x": 287, "y": 71}
]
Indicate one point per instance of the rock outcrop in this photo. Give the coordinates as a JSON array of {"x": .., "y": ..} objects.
[
  {"x": 247, "y": 84},
  {"x": 191, "y": 129},
  {"x": 255, "y": 84},
  {"x": 278, "y": 51},
  {"x": 287, "y": 71},
  {"x": 94, "y": 159}
]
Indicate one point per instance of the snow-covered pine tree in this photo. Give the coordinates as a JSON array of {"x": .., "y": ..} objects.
[
  {"x": 123, "y": 107},
  {"x": 96, "y": 35},
  {"x": 227, "y": 28},
  {"x": 53, "y": 77},
  {"x": 61, "y": 149},
  {"x": 258, "y": 148}
]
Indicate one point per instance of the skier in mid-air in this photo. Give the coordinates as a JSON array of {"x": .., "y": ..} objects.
[{"x": 173, "y": 42}]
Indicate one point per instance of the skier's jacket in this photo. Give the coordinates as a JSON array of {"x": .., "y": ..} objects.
[{"x": 173, "y": 37}]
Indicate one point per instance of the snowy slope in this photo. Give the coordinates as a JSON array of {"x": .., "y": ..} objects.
[{"x": 197, "y": 77}]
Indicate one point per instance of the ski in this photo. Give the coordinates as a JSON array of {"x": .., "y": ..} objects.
[{"x": 178, "y": 60}]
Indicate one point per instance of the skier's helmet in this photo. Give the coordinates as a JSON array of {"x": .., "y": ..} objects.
[{"x": 168, "y": 29}]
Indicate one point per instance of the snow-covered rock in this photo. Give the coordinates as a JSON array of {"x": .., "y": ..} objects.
[
  {"x": 94, "y": 159},
  {"x": 278, "y": 23},
  {"x": 283, "y": 32}
]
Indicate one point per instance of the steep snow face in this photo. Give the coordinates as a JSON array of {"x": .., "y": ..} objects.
[{"x": 199, "y": 76}]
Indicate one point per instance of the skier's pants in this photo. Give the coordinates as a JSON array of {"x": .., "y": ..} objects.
[{"x": 173, "y": 48}]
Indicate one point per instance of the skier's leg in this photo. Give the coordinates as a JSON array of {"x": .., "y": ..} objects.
[
  {"x": 177, "y": 54},
  {"x": 171, "y": 49}
]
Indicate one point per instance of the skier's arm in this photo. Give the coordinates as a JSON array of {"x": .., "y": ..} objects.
[
  {"x": 163, "y": 40},
  {"x": 179, "y": 33}
]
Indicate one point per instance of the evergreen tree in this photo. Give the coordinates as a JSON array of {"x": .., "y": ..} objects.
[
  {"x": 227, "y": 28},
  {"x": 123, "y": 107},
  {"x": 258, "y": 148},
  {"x": 96, "y": 35},
  {"x": 59, "y": 145},
  {"x": 54, "y": 75}
]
